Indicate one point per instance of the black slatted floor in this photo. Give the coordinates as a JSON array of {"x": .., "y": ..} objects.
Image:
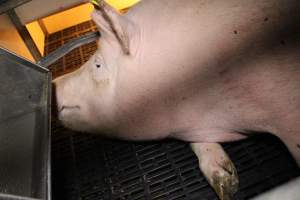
[{"x": 88, "y": 167}]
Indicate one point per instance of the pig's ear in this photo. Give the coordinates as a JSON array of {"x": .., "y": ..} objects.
[{"x": 113, "y": 25}]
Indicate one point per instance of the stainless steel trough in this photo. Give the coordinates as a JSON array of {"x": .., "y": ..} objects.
[{"x": 24, "y": 129}]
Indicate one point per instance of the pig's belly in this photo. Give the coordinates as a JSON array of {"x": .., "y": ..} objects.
[
  {"x": 188, "y": 121},
  {"x": 161, "y": 128}
]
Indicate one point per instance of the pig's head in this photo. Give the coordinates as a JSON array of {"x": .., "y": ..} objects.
[{"x": 85, "y": 97}]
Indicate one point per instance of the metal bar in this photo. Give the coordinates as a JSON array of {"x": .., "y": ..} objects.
[
  {"x": 43, "y": 27},
  {"x": 63, "y": 50},
  {"x": 15, "y": 197},
  {"x": 13, "y": 56},
  {"x": 6, "y": 5},
  {"x": 24, "y": 35}
]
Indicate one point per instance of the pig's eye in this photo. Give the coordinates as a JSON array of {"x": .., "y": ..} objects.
[{"x": 98, "y": 62}]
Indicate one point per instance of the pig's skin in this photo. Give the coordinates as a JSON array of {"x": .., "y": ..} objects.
[{"x": 199, "y": 71}]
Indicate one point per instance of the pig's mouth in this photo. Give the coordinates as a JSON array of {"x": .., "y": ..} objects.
[
  {"x": 68, "y": 108},
  {"x": 70, "y": 116}
]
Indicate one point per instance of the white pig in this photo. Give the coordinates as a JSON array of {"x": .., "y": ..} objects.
[{"x": 201, "y": 71}]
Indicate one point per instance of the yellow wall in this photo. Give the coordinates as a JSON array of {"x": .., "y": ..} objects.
[
  {"x": 10, "y": 38},
  {"x": 122, "y": 4},
  {"x": 37, "y": 35},
  {"x": 68, "y": 18}
]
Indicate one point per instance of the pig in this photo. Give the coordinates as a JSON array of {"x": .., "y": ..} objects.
[{"x": 200, "y": 71}]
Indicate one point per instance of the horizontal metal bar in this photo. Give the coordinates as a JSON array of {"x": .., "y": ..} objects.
[
  {"x": 6, "y": 5},
  {"x": 15, "y": 197},
  {"x": 63, "y": 50},
  {"x": 25, "y": 62}
]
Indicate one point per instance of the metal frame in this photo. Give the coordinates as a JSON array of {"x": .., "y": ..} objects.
[{"x": 25, "y": 35}]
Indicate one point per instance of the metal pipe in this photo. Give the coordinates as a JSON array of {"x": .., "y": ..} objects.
[{"x": 63, "y": 50}]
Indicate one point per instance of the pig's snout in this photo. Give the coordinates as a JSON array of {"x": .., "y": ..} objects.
[
  {"x": 66, "y": 100},
  {"x": 56, "y": 107},
  {"x": 57, "y": 95},
  {"x": 68, "y": 105}
]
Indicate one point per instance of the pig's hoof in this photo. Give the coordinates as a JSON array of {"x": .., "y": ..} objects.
[
  {"x": 225, "y": 180},
  {"x": 217, "y": 168}
]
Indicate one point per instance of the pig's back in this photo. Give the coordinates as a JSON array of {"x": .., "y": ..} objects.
[{"x": 203, "y": 71}]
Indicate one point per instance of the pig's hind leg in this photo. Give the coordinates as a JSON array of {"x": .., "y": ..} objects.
[{"x": 217, "y": 168}]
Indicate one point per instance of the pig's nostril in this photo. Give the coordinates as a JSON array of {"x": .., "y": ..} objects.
[{"x": 68, "y": 108}]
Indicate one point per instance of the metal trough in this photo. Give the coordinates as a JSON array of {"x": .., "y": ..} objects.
[{"x": 24, "y": 129}]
